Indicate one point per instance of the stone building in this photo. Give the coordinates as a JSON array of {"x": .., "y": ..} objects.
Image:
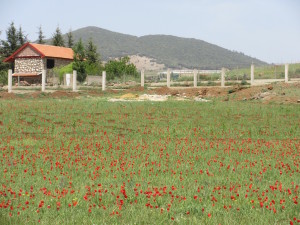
[{"x": 30, "y": 59}]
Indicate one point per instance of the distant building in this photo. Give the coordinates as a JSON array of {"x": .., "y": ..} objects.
[{"x": 30, "y": 59}]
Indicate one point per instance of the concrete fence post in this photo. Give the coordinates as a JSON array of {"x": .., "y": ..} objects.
[
  {"x": 168, "y": 78},
  {"x": 142, "y": 78},
  {"x": 195, "y": 78},
  {"x": 43, "y": 80},
  {"x": 74, "y": 80},
  {"x": 223, "y": 77},
  {"x": 252, "y": 74},
  {"x": 103, "y": 80},
  {"x": 286, "y": 73},
  {"x": 9, "y": 88}
]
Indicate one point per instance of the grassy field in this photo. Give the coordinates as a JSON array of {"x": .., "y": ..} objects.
[
  {"x": 89, "y": 161},
  {"x": 260, "y": 72},
  {"x": 264, "y": 72}
]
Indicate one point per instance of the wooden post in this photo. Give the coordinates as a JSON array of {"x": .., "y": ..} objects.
[
  {"x": 43, "y": 80},
  {"x": 103, "y": 80},
  {"x": 252, "y": 74},
  {"x": 195, "y": 78},
  {"x": 74, "y": 80},
  {"x": 168, "y": 78},
  {"x": 223, "y": 77},
  {"x": 142, "y": 78},
  {"x": 9, "y": 88},
  {"x": 286, "y": 73}
]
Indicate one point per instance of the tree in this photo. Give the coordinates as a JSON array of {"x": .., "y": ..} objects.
[
  {"x": 14, "y": 40},
  {"x": 130, "y": 68},
  {"x": 93, "y": 63},
  {"x": 22, "y": 39},
  {"x": 41, "y": 36},
  {"x": 79, "y": 51},
  {"x": 91, "y": 53},
  {"x": 3, "y": 68},
  {"x": 70, "y": 39},
  {"x": 11, "y": 44},
  {"x": 57, "y": 38},
  {"x": 120, "y": 67},
  {"x": 86, "y": 60},
  {"x": 79, "y": 60}
]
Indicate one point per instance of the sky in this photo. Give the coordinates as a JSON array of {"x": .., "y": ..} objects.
[{"x": 265, "y": 29}]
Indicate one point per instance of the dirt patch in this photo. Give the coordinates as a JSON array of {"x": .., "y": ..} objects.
[
  {"x": 136, "y": 88},
  {"x": 190, "y": 92},
  {"x": 35, "y": 94},
  {"x": 6, "y": 95},
  {"x": 160, "y": 91},
  {"x": 145, "y": 97},
  {"x": 62, "y": 94},
  {"x": 244, "y": 93},
  {"x": 279, "y": 93},
  {"x": 156, "y": 98},
  {"x": 272, "y": 93},
  {"x": 281, "y": 100},
  {"x": 129, "y": 96}
]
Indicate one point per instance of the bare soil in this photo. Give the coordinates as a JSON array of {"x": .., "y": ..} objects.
[{"x": 271, "y": 93}]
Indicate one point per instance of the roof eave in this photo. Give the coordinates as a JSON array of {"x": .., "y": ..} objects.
[
  {"x": 38, "y": 51},
  {"x": 12, "y": 57},
  {"x": 8, "y": 59}
]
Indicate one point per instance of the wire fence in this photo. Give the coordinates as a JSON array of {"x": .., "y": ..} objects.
[
  {"x": 183, "y": 78},
  {"x": 265, "y": 72}
]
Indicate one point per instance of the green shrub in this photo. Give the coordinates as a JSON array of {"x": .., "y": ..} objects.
[
  {"x": 94, "y": 69},
  {"x": 211, "y": 83},
  {"x": 117, "y": 68},
  {"x": 186, "y": 78},
  {"x": 244, "y": 82},
  {"x": 61, "y": 71},
  {"x": 3, "y": 77}
]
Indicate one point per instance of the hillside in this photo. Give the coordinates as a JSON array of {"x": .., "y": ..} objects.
[{"x": 173, "y": 52}]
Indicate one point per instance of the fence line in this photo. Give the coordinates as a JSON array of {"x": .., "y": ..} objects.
[{"x": 177, "y": 78}]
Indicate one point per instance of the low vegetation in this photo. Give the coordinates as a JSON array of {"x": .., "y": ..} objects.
[
  {"x": 89, "y": 161},
  {"x": 265, "y": 72},
  {"x": 119, "y": 68}
]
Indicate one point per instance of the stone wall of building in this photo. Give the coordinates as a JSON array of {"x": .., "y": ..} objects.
[
  {"x": 36, "y": 65},
  {"x": 62, "y": 62},
  {"x": 27, "y": 52},
  {"x": 28, "y": 65}
]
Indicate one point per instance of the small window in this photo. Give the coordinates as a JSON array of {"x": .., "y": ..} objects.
[{"x": 50, "y": 63}]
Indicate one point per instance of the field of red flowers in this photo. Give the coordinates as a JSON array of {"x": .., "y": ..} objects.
[{"x": 88, "y": 161}]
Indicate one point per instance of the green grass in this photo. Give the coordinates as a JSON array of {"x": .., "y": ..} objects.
[
  {"x": 238, "y": 74},
  {"x": 170, "y": 162},
  {"x": 264, "y": 72},
  {"x": 260, "y": 72}
]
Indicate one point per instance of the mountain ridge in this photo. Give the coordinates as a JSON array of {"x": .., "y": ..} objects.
[{"x": 172, "y": 51}]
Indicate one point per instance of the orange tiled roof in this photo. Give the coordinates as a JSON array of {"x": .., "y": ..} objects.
[
  {"x": 54, "y": 51},
  {"x": 45, "y": 51}
]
